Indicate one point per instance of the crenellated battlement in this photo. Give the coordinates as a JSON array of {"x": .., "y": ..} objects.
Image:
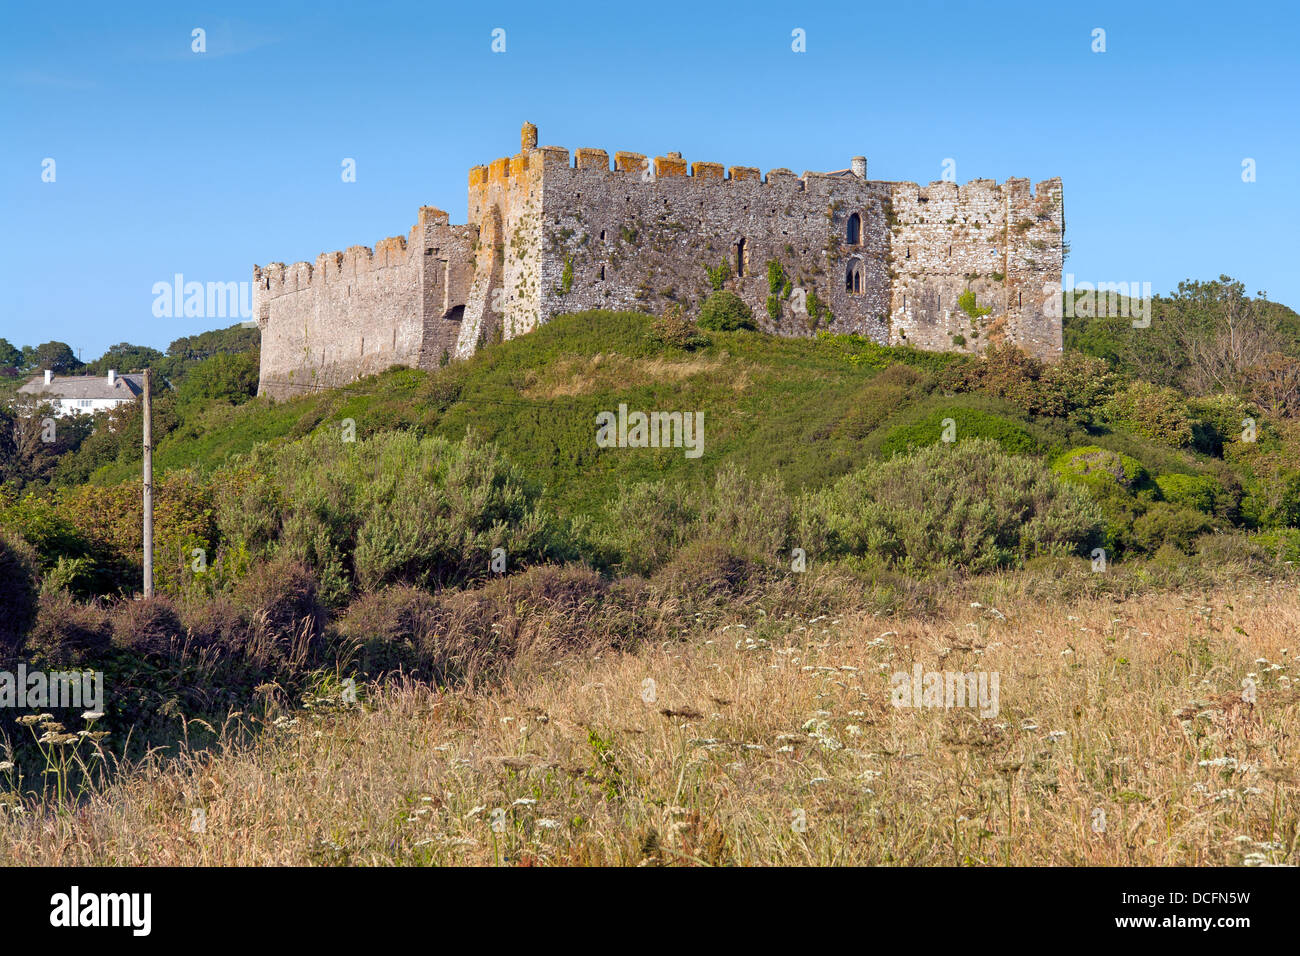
[
  {"x": 913, "y": 203},
  {"x": 647, "y": 169}
]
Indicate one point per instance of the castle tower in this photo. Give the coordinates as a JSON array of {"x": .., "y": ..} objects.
[
  {"x": 860, "y": 167},
  {"x": 528, "y": 137}
]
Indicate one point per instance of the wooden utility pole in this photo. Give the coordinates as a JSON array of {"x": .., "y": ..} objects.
[{"x": 148, "y": 484}]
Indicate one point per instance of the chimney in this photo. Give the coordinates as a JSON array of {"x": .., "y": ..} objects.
[
  {"x": 860, "y": 167},
  {"x": 49, "y": 376},
  {"x": 112, "y": 377},
  {"x": 528, "y": 137}
]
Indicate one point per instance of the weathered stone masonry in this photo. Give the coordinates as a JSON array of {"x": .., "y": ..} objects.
[{"x": 888, "y": 260}]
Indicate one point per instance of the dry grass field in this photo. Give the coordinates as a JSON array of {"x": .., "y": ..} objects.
[{"x": 1123, "y": 736}]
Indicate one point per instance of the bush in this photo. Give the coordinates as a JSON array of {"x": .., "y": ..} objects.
[
  {"x": 228, "y": 378},
  {"x": 67, "y": 631},
  {"x": 1101, "y": 471},
  {"x": 395, "y": 629},
  {"x": 393, "y": 508},
  {"x": 284, "y": 594},
  {"x": 725, "y": 312},
  {"x": 1217, "y": 420},
  {"x": 651, "y": 522},
  {"x": 967, "y": 505},
  {"x": 147, "y": 627},
  {"x": 970, "y": 423},
  {"x": 1151, "y": 411},
  {"x": 675, "y": 330},
  {"x": 707, "y": 572},
  {"x": 18, "y": 591},
  {"x": 42, "y": 523},
  {"x": 1166, "y": 525},
  {"x": 1192, "y": 491},
  {"x": 750, "y": 515},
  {"x": 1078, "y": 384}
]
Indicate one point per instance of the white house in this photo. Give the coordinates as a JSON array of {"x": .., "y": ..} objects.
[{"x": 83, "y": 394}]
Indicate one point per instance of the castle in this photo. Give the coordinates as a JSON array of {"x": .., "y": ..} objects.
[{"x": 893, "y": 261}]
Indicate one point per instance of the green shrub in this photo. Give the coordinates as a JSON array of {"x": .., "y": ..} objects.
[
  {"x": 967, "y": 505},
  {"x": 1166, "y": 524},
  {"x": 775, "y": 277},
  {"x": 746, "y": 514},
  {"x": 966, "y": 302},
  {"x": 225, "y": 377},
  {"x": 1076, "y": 385},
  {"x": 392, "y": 508},
  {"x": 1151, "y": 411},
  {"x": 969, "y": 423},
  {"x": 1192, "y": 491},
  {"x": 725, "y": 312},
  {"x": 651, "y": 522},
  {"x": 718, "y": 275},
  {"x": 859, "y": 351},
  {"x": 1101, "y": 471},
  {"x": 1284, "y": 543},
  {"x": 675, "y": 330}
]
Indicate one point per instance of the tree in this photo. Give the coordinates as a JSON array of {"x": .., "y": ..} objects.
[
  {"x": 1221, "y": 357},
  {"x": 32, "y": 439},
  {"x": 10, "y": 356},
  {"x": 725, "y": 312},
  {"x": 124, "y": 357},
  {"x": 1275, "y": 384},
  {"x": 223, "y": 378},
  {"x": 56, "y": 356}
]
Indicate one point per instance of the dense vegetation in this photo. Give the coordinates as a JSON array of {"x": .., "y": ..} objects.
[
  {"x": 218, "y": 367},
  {"x": 367, "y": 527}
]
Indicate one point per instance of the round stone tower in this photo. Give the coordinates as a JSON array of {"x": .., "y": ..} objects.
[{"x": 528, "y": 137}]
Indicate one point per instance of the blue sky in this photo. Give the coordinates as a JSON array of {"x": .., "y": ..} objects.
[{"x": 168, "y": 161}]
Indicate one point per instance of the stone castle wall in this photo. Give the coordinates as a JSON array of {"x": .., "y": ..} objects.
[
  {"x": 361, "y": 311},
  {"x": 641, "y": 236},
  {"x": 548, "y": 235},
  {"x": 1003, "y": 243}
]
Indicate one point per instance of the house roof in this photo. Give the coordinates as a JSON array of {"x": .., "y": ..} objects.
[{"x": 85, "y": 386}]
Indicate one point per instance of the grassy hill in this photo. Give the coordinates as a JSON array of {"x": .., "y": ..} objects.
[{"x": 804, "y": 410}]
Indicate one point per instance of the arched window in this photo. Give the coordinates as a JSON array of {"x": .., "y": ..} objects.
[
  {"x": 853, "y": 277},
  {"x": 740, "y": 258},
  {"x": 854, "y": 233}
]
